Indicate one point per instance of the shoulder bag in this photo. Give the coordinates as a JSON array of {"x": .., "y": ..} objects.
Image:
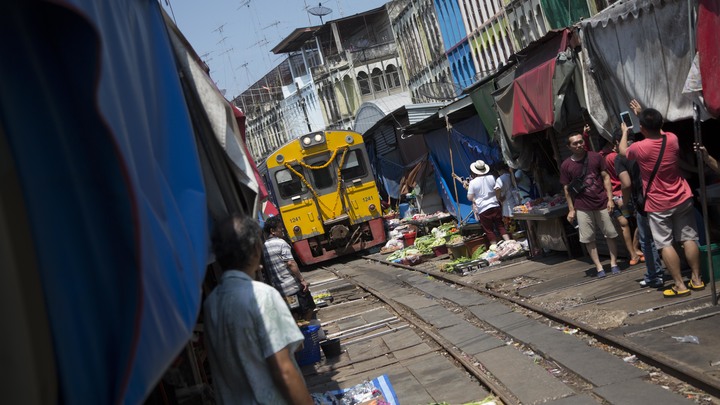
[{"x": 577, "y": 185}]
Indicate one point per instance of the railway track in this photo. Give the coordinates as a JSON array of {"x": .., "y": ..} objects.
[{"x": 515, "y": 327}]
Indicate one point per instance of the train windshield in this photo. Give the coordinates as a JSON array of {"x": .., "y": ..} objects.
[
  {"x": 322, "y": 178},
  {"x": 288, "y": 183},
  {"x": 354, "y": 166}
]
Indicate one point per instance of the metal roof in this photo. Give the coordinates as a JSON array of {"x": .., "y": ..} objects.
[{"x": 295, "y": 40}]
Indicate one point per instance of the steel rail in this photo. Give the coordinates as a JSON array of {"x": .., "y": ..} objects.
[
  {"x": 654, "y": 358},
  {"x": 497, "y": 389}
]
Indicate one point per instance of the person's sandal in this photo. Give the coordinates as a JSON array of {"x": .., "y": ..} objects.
[
  {"x": 673, "y": 293},
  {"x": 694, "y": 287},
  {"x": 635, "y": 261}
]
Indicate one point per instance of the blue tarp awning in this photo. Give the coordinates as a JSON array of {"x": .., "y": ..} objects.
[{"x": 469, "y": 142}]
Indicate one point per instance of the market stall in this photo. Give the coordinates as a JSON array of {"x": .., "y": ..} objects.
[
  {"x": 545, "y": 219},
  {"x": 467, "y": 252}
]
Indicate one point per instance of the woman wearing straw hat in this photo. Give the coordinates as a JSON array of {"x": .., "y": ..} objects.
[{"x": 486, "y": 207}]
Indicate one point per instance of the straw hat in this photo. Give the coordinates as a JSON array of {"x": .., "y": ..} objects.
[{"x": 479, "y": 167}]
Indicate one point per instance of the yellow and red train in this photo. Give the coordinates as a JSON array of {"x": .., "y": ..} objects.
[{"x": 325, "y": 190}]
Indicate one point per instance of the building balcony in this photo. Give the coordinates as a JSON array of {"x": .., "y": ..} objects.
[
  {"x": 374, "y": 53},
  {"x": 332, "y": 63}
]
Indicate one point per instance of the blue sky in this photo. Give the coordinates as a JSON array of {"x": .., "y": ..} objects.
[{"x": 235, "y": 37}]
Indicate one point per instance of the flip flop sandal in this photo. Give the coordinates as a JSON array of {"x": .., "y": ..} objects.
[
  {"x": 633, "y": 262},
  {"x": 694, "y": 287},
  {"x": 672, "y": 293}
]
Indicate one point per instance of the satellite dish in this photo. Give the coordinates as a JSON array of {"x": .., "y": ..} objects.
[
  {"x": 440, "y": 90},
  {"x": 319, "y": 11}
]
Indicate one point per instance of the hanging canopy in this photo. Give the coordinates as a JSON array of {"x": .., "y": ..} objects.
[
  {"x": 563, "y": 13},
  {"x": 468, "y": 142},
  {"x": 240, "y": 119},
  {"x": 637, "y": 50},
  {"x": 485, "y": 105},
  {"x": 708, "y": 32},
  {"x": 527, "y": 104}
]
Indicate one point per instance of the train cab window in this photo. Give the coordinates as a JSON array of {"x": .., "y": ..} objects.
[
  {"x": 354, "y": 166},
  {"x": 289, "y": 184},
  {"x": 322, "y": 178}
]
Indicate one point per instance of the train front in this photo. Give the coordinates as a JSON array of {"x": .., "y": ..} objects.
[{"x": 326, "y": 194}]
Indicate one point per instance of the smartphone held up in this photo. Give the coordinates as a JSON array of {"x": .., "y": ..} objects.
[{"x": 625, "y": 117}]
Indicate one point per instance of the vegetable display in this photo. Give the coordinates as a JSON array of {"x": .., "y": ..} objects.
[{"x": 450, "y": 266}]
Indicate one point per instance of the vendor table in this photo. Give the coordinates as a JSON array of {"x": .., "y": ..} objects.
[{"x": 555, "y": 214}]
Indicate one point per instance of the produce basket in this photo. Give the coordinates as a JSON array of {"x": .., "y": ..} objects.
[
  {"x": 440, "y": 250},
  {"x": 310, "y": 354}
]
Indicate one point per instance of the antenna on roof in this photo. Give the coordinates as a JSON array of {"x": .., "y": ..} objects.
[
  {"x": 320, "y": 11},
  {"x": 275, "y": 24}
]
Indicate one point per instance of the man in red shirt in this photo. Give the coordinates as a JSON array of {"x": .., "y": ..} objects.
[
  {"x": 668, "y": 200},
  {"x": 592, "y": 205}
]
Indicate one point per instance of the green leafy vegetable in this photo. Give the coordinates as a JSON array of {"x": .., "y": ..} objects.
[{"x": 478, "y": 252}]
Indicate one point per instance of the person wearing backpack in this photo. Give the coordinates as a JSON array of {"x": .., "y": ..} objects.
[{"x": 589, "y": 197}]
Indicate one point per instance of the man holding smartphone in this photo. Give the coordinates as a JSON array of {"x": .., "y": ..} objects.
[{"x": 668, "y": 199}]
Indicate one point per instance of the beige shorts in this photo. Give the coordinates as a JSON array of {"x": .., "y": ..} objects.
[
  {"x": 677, "y": 224},
  {"x": 589, "y": 221}
]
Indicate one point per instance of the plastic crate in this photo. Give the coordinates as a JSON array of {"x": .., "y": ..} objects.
[
  {"x": 469, "y": 267},
  {"x": 310, "y": 354}
]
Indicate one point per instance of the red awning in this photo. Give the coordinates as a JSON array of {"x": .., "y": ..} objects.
[
  {"x": 269, "y": 209},
  {"x": 529, "y": 106},
  {"x": 708, "y": 31}
]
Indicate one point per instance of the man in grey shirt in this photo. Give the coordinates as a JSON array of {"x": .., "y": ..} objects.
[{"x": 250, "y": 334}]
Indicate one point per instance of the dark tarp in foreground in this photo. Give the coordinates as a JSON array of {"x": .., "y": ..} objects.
[{"x": 101, "y": 143}]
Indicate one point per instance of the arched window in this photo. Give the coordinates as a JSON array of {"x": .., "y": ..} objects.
[
  {"x": 363, "y": 83},
  {"x": 378, "y": 81},
  {"x": 392, "y": 77}
]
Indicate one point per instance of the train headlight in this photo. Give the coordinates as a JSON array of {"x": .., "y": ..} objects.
[
  {"x": 313, "y": 139},
  {"x": 296, "y": 229},
  {"x": 279, "y": 158},
  {"x": 372, "y": 207},
  {"x": 349, "y": 139}
]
